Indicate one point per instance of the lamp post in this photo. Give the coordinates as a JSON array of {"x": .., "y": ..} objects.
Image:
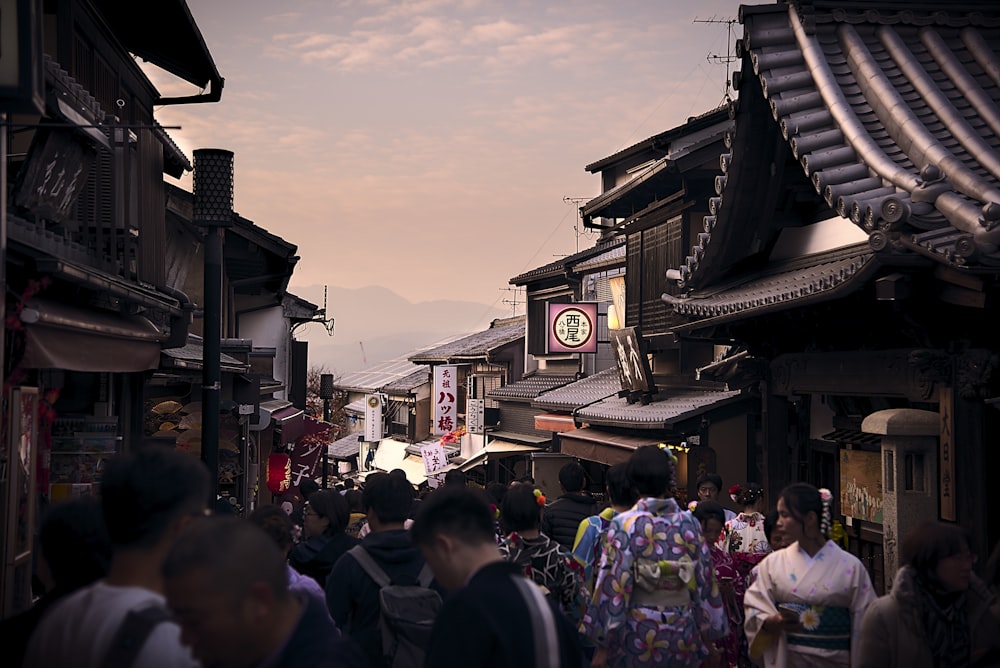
[
  {"x": 326, "y": 394},
  {"x": 213, "y": 210}
]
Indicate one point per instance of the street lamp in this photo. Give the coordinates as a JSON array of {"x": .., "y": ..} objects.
[
  {"x": 326, "y": 394},
  {"x": 213, "y": 210}
]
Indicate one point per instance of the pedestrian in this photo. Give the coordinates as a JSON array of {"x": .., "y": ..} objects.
[
  {"x": 938, "y": 612},
  {"x": 494, "y": 617},
  {"x": 352, "y": 596},
  {"x": 357, "y": 517},
  {"x": 709, "y": 485},
  {"x": 455, "y": 478},
  {"x": 805, "y": 606},
  {"x": 226, "y": 581},
  {"x": 148, "y": 496},
  {"x": 732, "y": 584},
  {"x": 278, "y": 525},
  {"x": 562, "y": 516},
  {"x": 775, "y": 536},
  {"x": 589, "y": 542},
  {"x": 495, "y": 492},
  {"x": 656, "y": 600},
  {"x": 324, "y": 538}
]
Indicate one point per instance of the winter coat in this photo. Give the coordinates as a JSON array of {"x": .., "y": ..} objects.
[
  {"x": 316, "y": 555},
  {"x": 892, "y": 632},
  {"x": 562, "y": 517}
]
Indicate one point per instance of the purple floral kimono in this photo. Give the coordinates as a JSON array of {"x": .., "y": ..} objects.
[{"x": 656, "y": 599}]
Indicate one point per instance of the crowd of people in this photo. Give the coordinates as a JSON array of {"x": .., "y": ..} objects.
[{"x": 494, "y": 576}]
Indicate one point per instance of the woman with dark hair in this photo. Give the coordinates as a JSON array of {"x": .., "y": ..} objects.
[
  {"x": 745, "y": 533},
  {"x": 656, "y": 600},
  {"x": 805, "y": 606},
  {"x": 938, "y": 614},
  {"x": 324, "y": 519},
  {"x": 711, "y": 515},
  {"x": 542, "y": 559}
]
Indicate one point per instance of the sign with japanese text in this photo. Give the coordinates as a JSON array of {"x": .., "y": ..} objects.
[
  {"x": 475, "y": 416},
  {"x": 572, "y": 328},
  {"x": 445, "y": 399},
  {"x": 434, "y": 456},
  {"x": 633, "y": 365},
  {"x": 373, "y": 418}
]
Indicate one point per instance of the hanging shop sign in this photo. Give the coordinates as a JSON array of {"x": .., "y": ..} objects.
[
  {"x": 279, "y": 473},
  {"x": 572, "y": 328},
  {"x": 445, "y": 399},
  {"x": 374, "y": 426}
]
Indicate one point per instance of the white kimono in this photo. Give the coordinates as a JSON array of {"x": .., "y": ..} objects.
[{"x": 831, "y": 578}]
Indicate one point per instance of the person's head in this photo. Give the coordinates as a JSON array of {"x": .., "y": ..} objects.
[
  {"x": 521, "y": 509},
  {"x": 74, "y": 542},
  {"x": 800, "y": 512},
  {"x": 276, "y": 523},
  {"x": 149, "y": 494},
  {"x": 496, "y": 491},
  {"x": 709, "y": 485},
  {"x": 523, "y": 480},
  {"x": 712, "y": 517},
  {"x": 307, "y": 488},
  {"x": 226, "y": 582},
  {"x": 326, "y": 512},
  {"x": 349, "y": 484},
  {"x": 621, "y": 489},
  {"x": 387, "y": 499},
  {"x": 454, "y": 531},
  {"x": 355, "y": 502},
  {"x": 747, "y": 495},
  {"x": 455, "y": 478},
  {"x": 940, "y": 555},
  {"x": 651, "y": 470},
  {"x": 775, "y": 536},
  {"x": 572, "y": 477}
]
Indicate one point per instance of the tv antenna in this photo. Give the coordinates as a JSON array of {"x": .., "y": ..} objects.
[
  {"x": 579, "y": 216},
  {"x": 513, "y": 301},
  {"x": 729, "y": 58}
]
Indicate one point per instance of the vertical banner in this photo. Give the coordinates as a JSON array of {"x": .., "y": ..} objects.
[
  {"x": 445, "y": 399},
  {"x": 946, "y": 463},
  {"x": 475, "y": 416},
  {"x": 373, "y": 418}
]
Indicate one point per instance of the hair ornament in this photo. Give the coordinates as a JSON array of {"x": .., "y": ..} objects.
[
  {"x": 734, "y": 493},
  {"x": 495, "y": 511},
  {"x": 826, "y": 522},
  {"x": 692, "y": 505},
  {"x": 670, "y": 452},
  {"x": 539, "y": 497}
]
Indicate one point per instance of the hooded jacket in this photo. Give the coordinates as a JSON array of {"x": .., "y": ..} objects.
[
  {"x": 352, "y": 596},
  {"x": 562, "y": 517},
  {"x": 892, "y": 633}
]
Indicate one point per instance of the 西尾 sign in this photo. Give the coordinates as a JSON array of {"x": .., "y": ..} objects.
[
  {"x": 373, "y": 418},
  {"x": 445, "y": 399},
  {"x": 572, "y": 328},
  {"x": 475, "y": 416}
]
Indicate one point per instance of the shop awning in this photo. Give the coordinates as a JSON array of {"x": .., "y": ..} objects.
[
  {"x": 596, "y": 445},
  {"x": 283, "y": 416},
  {"x": 495, "y": 450},
  {"x": 556, "y": 422},
  {"x": 391, "y": 454},
  {"x": 61, "y": 336}
]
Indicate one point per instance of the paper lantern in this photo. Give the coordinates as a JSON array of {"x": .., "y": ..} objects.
[{"x": 279, "y": 473}]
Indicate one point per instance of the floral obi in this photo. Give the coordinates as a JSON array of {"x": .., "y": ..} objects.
[
  {"x": 663, "y": 584},
  {"x": 823, "y": 626}
]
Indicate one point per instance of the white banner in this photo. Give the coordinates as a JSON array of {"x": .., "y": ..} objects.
[
  {"x": 373, "y": 418},
  {"x": 434, "y": 456},
  {"x": 475, "y": 416},
  {"x": 445, "y": 399}
]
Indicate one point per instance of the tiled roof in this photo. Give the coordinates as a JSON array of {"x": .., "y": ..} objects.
[
  {"x": 480, "y": 345},
  {"x": 585, "y": 391},
  {"x": 615, "y": 257},
  {"x": 347, "y": 446},
  {"x": 889, "y": 112},
  {"x": 378, "y": 376},
  {"x": 408, "y": 383},
  {"x": 191, "y": 356},
  {"x": 561, "y": 265},
  {"x": 530, "y": 387},
  {"x": 662, "y": 414}
]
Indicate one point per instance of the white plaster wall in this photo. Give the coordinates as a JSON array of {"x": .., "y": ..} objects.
[{"x": 268, "y": 328}]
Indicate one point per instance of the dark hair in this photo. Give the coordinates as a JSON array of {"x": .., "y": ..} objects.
[
  {"x": 332, "y": 505},
  {"x": 520, "y": 509},
  {"x": 75, "y": 542},
  {"x": 651, "y": 470},
  {"x": 308, "y": 487},
  {"x": 801, "y": 498},
  {"x": 496, "y": 491},
  {"x": 143, "y": 492},
  {"x": 713, "y": 478},
  {"x": 349, "y": 484},
  {"x": 234, "y": 554},
  {"x": 454, "y": 511},
  {"x": 748, "y": 494},
  {"x": 389, "y": 496},
  {"x": 710, "y": 510},
  {"x": 455, "y": 477},
  {"x": 572, "y": 477},
  {"x": 770, "y": 521},
  {"x": 524, "y": 480},
  {"x": 276, "y": 523},
  {"x": 355, "y": 502},
  {"x": 930, "y": 542},
  {"x": 620, "y": 487}
]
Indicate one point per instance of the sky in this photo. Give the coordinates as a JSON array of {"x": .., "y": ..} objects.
[{"x": 437, "y": 147}]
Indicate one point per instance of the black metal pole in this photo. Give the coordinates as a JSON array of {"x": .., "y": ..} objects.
[
  {"x": 326, "y": 446},
  {"x": 211, "y": 369}
]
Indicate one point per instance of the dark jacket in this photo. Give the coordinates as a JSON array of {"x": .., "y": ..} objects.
[
  {"x": 352, "y": 596},
  {"x": 489, "y": 624},
  {"x": 561, "y": 518},
  {"x": 316, "y": 643},
  {"x": 316, "y": 555}
]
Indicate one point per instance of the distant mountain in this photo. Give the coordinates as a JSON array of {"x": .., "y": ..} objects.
[{"x": 373, "y": 324}]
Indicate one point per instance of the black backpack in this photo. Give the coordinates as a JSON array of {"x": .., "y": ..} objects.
[{"x": 406, "y": 612}]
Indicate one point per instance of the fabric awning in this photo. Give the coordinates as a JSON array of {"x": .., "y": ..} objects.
[
  {"x": 497, "y": 449},
  {"x": 557, "y": 422},
  {"x": 286, "y": 418},
  {"x": 391, "y": 454},
  {"x": 596, "y": 445}
]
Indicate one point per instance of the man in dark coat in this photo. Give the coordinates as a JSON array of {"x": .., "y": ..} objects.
[
  {"x": 562, "y": 517},
  {"x": 495, "y": 617},
  {"x": 351, "y": 595}
]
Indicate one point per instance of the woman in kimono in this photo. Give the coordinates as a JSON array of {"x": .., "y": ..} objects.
[
  {"x": 656, "y": 600},
  {"x": 807, "y": 602},
  {"x": 731, "y": 582}
]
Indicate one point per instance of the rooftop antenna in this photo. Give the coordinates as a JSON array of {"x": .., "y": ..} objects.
[
  {"x": 579, "y": 216},
  {"x": 513, "y": 301},
  {"x": 730, "y": 56}
]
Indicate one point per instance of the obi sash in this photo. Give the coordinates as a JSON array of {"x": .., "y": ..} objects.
[
  {"x": 663, "y": 584},
  {"x": 823, "y": 627}
]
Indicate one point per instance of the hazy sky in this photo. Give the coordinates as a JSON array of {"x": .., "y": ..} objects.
[{"x": 428, "y": 146}]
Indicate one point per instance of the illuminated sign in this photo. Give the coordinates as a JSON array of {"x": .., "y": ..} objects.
[{"x": 572, "y": 328}]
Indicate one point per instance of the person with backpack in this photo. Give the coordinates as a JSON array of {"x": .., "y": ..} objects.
[
  {"x": 494, "y": 617},
  {"x": 147, "y": 498},
  {"x": 355, "y": 595}
]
